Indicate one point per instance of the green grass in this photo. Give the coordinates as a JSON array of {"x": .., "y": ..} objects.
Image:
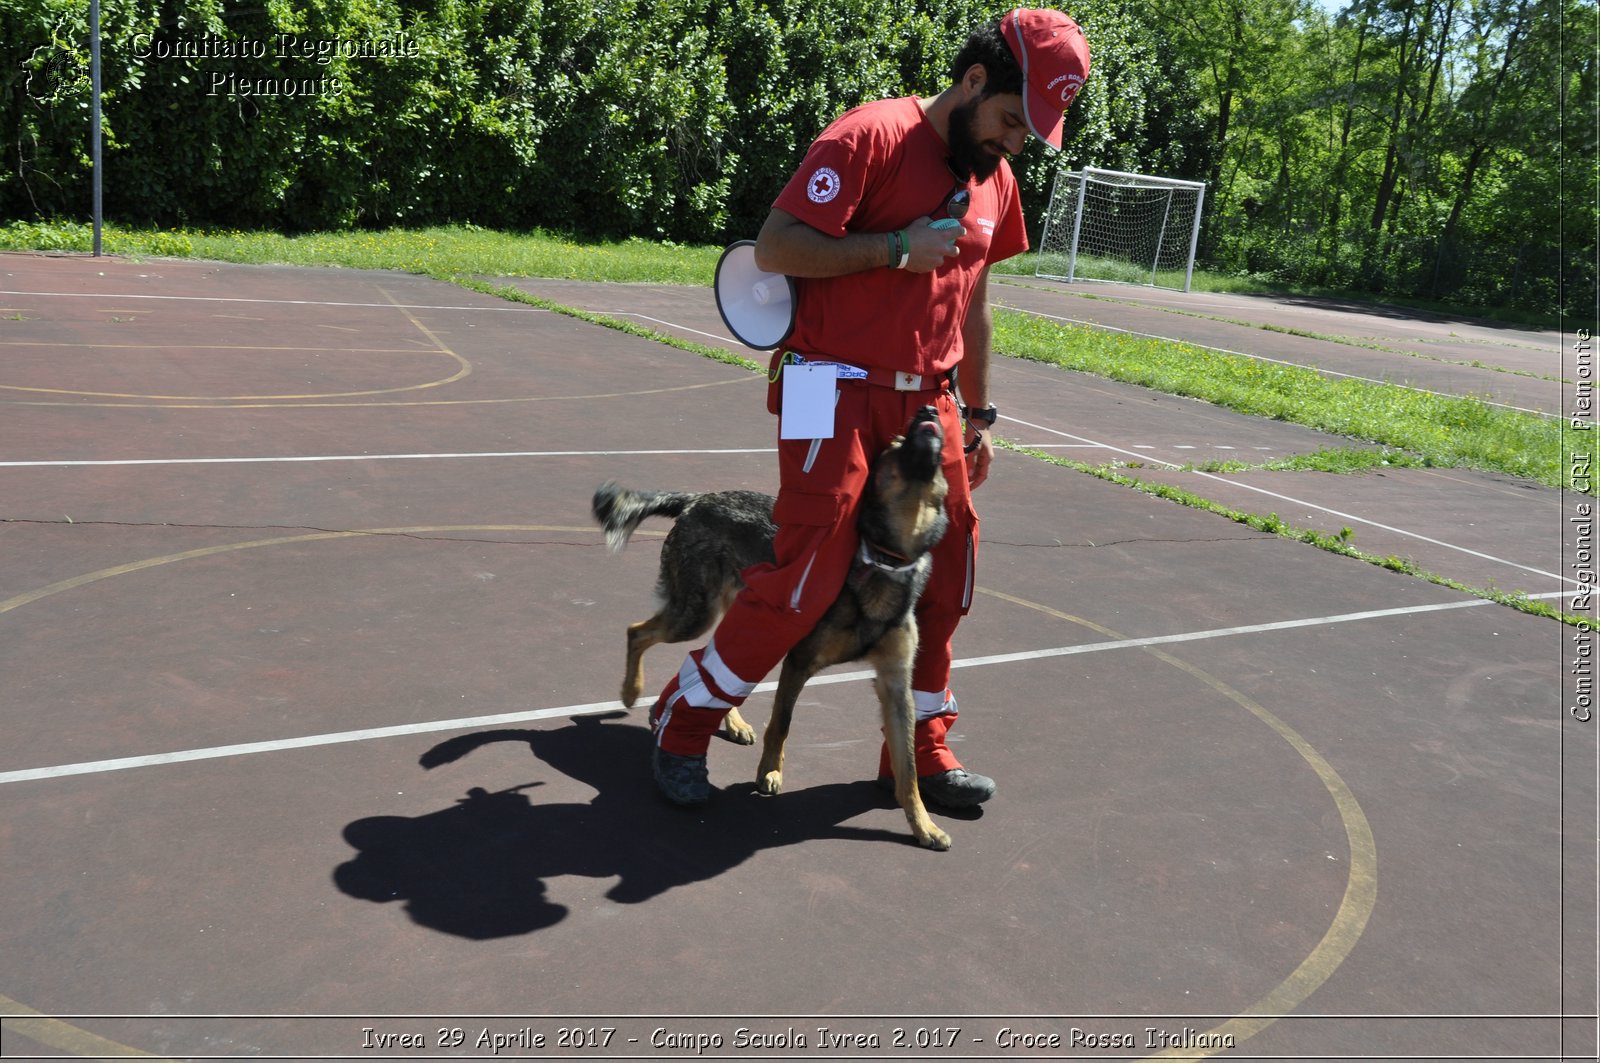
[
  {"x": 1341, "y": 543},
  {"x": 439, "y": 252},
  {"x": 1104, "y": 269},
  {"x": 1412, "y": 429},
  {"x": 1438, "y": 430},
  {"x": 517, "y": 295},
  {"x": 1339, "y": 460},
  {"x": 1432, "y": 430},
  {"x": 1325, "y": 337},
  {"x": 1099, "y": 269}
]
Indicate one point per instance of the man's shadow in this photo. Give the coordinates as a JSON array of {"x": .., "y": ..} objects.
[{"x": 479, "y": 868}]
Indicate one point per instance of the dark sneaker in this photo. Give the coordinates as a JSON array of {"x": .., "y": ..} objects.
[
  {"x": 956, "y": 788},
  {"x": 681, "y": 780}
]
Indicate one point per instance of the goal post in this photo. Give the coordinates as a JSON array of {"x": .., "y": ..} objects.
[{"x": 1107, "y": 225}]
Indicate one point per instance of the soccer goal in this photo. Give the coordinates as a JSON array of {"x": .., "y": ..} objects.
[{"x": 1105, "y": 225}]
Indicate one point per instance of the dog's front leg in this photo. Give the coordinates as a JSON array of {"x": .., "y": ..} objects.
[
  {"x": 891, "y": 659},
  {"x": 641, "y": 637},
  {"x": 793, "y": 678}
]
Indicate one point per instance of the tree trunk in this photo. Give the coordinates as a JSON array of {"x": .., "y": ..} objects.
[
  {"x": 1391, "y": 161},
  {"x": 1480, "y": 130},
  {"x": 1341, "y": 164},
  {"x": 1226, "y": 85}
]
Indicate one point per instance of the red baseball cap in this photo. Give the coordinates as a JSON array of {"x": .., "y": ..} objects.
[{"x": 1055, "y": 61}]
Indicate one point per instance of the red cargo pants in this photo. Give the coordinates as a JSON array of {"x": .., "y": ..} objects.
[{"x": 821, "y": 486}]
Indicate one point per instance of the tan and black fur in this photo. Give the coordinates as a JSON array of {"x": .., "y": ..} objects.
[{"x": 717, "y": 535}]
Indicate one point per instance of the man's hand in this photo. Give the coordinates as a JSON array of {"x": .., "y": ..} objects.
[{"x": 930, "y": 246}]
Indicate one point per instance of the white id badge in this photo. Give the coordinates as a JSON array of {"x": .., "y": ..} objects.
[{"x": 809, "y": 394}]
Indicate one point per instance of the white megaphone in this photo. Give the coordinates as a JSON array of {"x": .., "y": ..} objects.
[{"x": 758, "y": 307}]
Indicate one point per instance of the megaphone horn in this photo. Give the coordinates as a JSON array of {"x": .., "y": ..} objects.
[{"x": 758, "y": 307}]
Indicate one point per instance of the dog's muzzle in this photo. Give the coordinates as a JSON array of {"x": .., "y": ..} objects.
[{"x": 923, "y": 446}]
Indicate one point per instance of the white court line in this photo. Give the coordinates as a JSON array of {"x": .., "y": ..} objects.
[
  {"x": 95, "y": 767},
  {"x": 1083, "y": 441},
  {"x": 1309, "y": 505},
  {"x": 1275, "y": 361},
  {"x": 1063, "y": 446},
  {"x": 65, "y": 464},
  {"x": 274, "y": 302},
  {"x": 720, "y": 337}
]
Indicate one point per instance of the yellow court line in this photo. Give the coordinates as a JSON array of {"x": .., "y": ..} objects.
[
  {"x": 464, "y": 369},
  {"x": 29, "y": 597},
  {"x": 72, "y": 583},
  {"x": 1319, "y": 965},
  {"x": 1361, "y": 885},
  {"x": 437, "y": 342},
  {"x": 79, "y": 1043},
  {"x": 54, "y": 1033}
]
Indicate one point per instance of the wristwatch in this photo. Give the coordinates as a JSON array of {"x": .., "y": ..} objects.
[{"x": 988, "y": 415}]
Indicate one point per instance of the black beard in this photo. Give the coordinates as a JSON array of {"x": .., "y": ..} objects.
[{"x": 967, "y": 156}]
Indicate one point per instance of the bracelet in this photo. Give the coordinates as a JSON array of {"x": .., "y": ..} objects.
[
  {"x": 904, "y": 241},
  {"x": 894, "y": 250}
]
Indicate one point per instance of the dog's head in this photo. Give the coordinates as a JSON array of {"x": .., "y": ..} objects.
[{"x": 904, "y": 513}]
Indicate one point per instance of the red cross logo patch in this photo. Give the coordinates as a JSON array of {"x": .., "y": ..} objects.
[{"x": 823, "y": 185}]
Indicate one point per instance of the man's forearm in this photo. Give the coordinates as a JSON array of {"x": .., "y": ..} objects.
[{"x": 788, "y": 245}]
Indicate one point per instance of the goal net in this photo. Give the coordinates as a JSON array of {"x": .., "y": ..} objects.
[{"x": 1105, "y": 225}]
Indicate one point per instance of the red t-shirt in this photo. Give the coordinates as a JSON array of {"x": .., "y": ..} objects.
[{"x": 878, "y": 168}]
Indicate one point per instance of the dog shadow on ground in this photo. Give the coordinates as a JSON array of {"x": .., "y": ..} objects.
[{"x": 479, "y": 868}]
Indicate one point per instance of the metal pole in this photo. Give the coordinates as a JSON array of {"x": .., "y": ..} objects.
[
  {"x": 1194, "y": 236},
  {"x": 94, "y": 113},
  {"x": 1077, "y": 224}
]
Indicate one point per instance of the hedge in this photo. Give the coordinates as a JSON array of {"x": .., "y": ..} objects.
[{"x": 670, "y": 119}]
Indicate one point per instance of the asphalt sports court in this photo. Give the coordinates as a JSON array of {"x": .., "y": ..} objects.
[{"x": 311, "y": 651}]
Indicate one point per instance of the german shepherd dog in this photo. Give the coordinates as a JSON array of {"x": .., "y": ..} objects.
[{"x": 719, "y": 534}]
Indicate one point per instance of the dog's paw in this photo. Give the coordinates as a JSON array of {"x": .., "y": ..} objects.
[
  {"x": 933, "y": 838},
  {"x": 738, "y": 731},
  {"x": 770, "y": 784}
]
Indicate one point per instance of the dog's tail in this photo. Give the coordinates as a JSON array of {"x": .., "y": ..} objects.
[{"x": 620, "y": 511}]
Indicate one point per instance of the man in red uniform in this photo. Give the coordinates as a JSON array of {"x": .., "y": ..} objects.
[{"x": 893, "y": 301}]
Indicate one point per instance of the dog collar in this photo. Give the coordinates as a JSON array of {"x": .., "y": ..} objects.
[{"x": 884, "y": 560}]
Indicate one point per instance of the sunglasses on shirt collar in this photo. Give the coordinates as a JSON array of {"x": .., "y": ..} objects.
[
  {"x": 956, "y": 206},
  {"x": 959, "y": 200}
]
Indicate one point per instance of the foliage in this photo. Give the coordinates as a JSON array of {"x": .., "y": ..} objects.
[
  {"x": 1418, "y": 148},
  {"x": 342, "y": 113},
  {"x": 676, "y": 119}
]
